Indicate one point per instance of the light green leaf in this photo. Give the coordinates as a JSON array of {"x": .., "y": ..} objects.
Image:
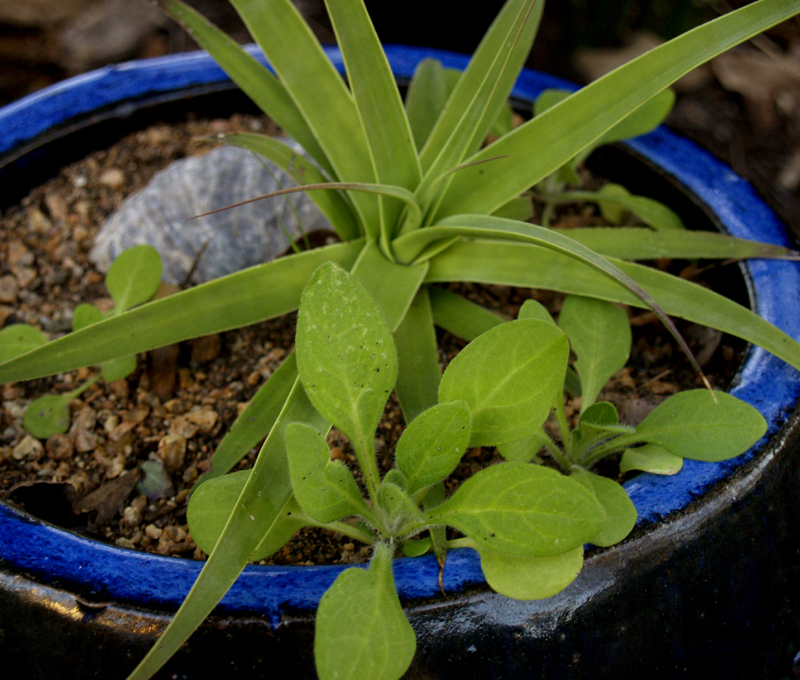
[
  {"x": 698, "y": 425},
  {"x": 117, "y": 369},
  {"x": 253, "y": 78},
  {"x": 508, "y": 377},
  {"x": 431, "y": 447},
  {"x": 317, "y": 90},
  {"x": 638, "y": 243},
  {"x": 415, "y": 548},
  {"x": 236, "y": 300},
  {"x": 461, "y": 317},
  {"x": 519, "y": 208},
  {"x": 396, "y": 507},
  {"x": 650, "y": 458},
  {"x": 463, "y": 98},
  {"x": 212, "y": 504},
  {"x": 600, "y": 335},
  {"x": 325, "y": 488},
  {"x": 425, "y": 99},
  {"x": 532, "y": 309},
  {"x": 377, "y": 99},
  {"x": 523, "y": 510},
  {"x": 47, "y": 415},
  {"x": 493, "y": 262},
  {"x": 18, "y": 339},
  {"x": 418, "y": 370},
  {"x": 620, "y": 510},
  {"x": 524, "y": 450},
  {"x": 85, "y": 315},
  {"x": 543, "y": 144},
  {"x": 134, "y": 277},
  {"x": 599, "y": 421},
  {"x": 615, "y": 199},
  {"x": 345, "y": 354},
  {"x": 530, "y": 578},
  {"x": 362, "y": 631}
]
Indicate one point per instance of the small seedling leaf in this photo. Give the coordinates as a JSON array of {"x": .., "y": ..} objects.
[
  {"x": 652, "y": 213},
  {"x": 432, "y": 445},
  {"x": 508, "y": 377},
  {"x": 523, "y": 510},
  {"x": 415, "y": 548},
  {"x": 600, "y": 335},
  {"x": 698, "y": 425},
  {"x": 117, "y": 369},
  {"x": 362, "y": 631},
  {"x": 650, "y": 458},
  {"x": 19, "y": 338},
  {"x": 134, "y": 277},
  {"x": 325, "y": 488},
  {"x": 620, "y": 510},
  {"x": 47, "y": 415},
  {"x": 345, "y": 355},
  {"x": 85, "y": 315},
  {"x": 530, "y": 578}
]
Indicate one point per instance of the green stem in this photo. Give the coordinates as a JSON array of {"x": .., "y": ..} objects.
[
  {"x": 606, "y": 449},
  {"x": 345, "y": 529}
]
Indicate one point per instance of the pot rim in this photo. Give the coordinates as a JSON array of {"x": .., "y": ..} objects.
[{"x": 56, "y": 556}]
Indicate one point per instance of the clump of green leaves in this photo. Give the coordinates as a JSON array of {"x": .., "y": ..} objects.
[
  {"x": 132, "y": 279},
  {"x": 416, "y": 199},
  {"x": 528, "y": 522}
]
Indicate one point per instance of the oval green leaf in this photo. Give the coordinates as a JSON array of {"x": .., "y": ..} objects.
[
  {"x": 523, "y": 510},
  {"x": 432, "y": 445},
  {"x": 134, "y": 277},
  {"x": 620, "y": 510},
  {"x": 19, "y": 338},
  {"x": 508, "y": 377},
  {"x": 325, "y": 488},
  {"x": 530, "y": 578},
  {"x": 47, "y": 415},
  {"x": 650, "y": 458},
  {"x": 345, "y": 354},
  {"x": 698, "y": 425},
  {"x": 362, "y": 630}
]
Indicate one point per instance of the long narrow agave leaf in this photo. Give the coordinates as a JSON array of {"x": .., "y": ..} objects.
[
  {"x": 543, "y": 144},
  {"x": 254, "y": 514},
  {"x": 378, "y": 101},
  {"x": 236, "y": 300},
  {"x": 639, "y": 243},
  {"x": 470, "y": 82},
  {"x": 418, "y": 372},
  {"x": 425, "y": 99},
  {"x": 256, "y": 421},
  {"x": 253, "y": 78},
  {"x": 454, "y": 149},
  {"x": 393, "y": 286},
  {"x": 530, "y": 266},
  {"x": 477, "y": 226},
  {"x": 316, "y": 88},
  {"x": 460, "y": 316},
  {"x": 332, "y": 204}
]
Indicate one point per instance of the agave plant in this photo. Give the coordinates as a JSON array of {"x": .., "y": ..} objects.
[{"x": 416, "y": 199}]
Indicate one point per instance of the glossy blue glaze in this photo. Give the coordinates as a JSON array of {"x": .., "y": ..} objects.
[{"x": 58, "y": 557}]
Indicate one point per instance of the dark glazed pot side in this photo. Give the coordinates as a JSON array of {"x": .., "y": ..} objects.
[{"x": 706, "y": 586}]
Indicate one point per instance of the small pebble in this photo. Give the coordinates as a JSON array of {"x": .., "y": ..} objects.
[
  {"x": 113, "y": 177},
  {"x": 29, "y": 448},
  {"x": 172, "y": 451}
]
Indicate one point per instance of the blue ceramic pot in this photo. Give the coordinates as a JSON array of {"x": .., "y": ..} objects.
[{"x": 707, "y": 583}]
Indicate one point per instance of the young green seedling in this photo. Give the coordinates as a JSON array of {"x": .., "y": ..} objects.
[{"x": 133, "y": 278}]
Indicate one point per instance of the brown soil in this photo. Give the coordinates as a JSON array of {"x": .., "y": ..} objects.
[{"x": 179, "y": 403}]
